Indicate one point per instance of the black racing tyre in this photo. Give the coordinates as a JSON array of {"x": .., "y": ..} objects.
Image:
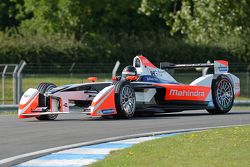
[
  {"x": 222, "y": 94},
  {"x": 124, "y": 99},
  {"x": 42, "y": 88}
]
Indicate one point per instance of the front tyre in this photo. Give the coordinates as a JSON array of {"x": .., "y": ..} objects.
[
  {"x": 222, "y": 94},
  {"x": 124, "y": 99},
  {"x": 42, "y": 88}
]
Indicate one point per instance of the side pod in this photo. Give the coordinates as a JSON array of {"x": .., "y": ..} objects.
[
  {"x": 28, "y": 102},
  {"x": 104, "y": 102}
]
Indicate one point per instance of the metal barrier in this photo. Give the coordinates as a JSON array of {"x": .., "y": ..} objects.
[
  {"x": 14, "y": 70},
  {"x": 75, "y": 72},
  {"x": 21, "y": 66},
  {"x": 3, "y": 74}
]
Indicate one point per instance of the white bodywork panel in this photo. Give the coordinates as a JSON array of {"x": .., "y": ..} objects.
[
  {"x": 220, "y": 67},
  {"x": 203, "y": 81},
  {"x": 207, "y": 81},
  {"x": 102, "y": 96},
  {"x": 27, "y": 99},
  {"x": 28, "y": 95},
  {"x": 156, "y": 72},
  {"x": 70, "y": 95},
  {"x": 145, "y": 96},
  {"x": 102, "y": 93},
  {"x": 236, "y": 83}
]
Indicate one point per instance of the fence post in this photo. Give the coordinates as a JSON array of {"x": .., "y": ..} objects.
[
  {"x": 71, "y": 70},
  {"x": 117, "y": 64},
  {"x": 14, "y": 85},
  {"x": 19, "y": 79},
  {"x": 3, "y": 82}
]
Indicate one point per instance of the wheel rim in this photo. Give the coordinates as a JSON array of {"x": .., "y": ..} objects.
[
  {"x": 52, "y": 116},
  {"x": 225, "y": 93},
  {"x": 128, "y": 100}
]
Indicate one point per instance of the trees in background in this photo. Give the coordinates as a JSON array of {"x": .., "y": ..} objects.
[
  {"x": 9, "y": 12},
  {"x": 77, "y": 17},
  {"x": 223, "y": 23},
  {"x": 121, "y": 28},
  {"x": 202, "y": 20}
]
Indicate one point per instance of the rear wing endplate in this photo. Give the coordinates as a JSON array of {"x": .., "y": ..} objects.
[{"x": 220, "y": 66}]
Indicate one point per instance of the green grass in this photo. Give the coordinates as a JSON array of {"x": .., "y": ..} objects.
[
  {"x": 240, "y": 108},
  {"x": 8, "y": 113},
  {"x": 242, "y": 98},
  {"x": 32, "y": 81},
  {"x": 228, "y": 147}
]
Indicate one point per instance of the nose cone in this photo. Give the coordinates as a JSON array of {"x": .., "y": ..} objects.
[{"x": 28, "y": 102}]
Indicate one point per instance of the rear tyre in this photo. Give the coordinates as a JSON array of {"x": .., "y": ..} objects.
[
  {"x": 222, "y": 94},
  {"x": 42, "y": 88},
  {"x": 124, "y": 100}
]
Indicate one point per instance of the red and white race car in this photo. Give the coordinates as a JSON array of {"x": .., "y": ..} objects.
[{"x": 142, "y": 87}]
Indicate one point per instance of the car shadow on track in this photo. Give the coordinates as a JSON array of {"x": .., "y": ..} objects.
[{"x": 151, "y": 116}]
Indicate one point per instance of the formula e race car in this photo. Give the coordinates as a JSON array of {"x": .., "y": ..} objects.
[{"x": 142, "y": 87}]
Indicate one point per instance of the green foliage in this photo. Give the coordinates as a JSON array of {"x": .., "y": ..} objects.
[
  {"x": 56, "y": 49},
  {"x": 58, "y": 16},
  {"x": 8, "y": 11},
  {"x": 77, "y": 17},
  {"x": 201, "y": 20},
  {"x": 58, "y": 31},
  {"x": 205, "y": 22}
]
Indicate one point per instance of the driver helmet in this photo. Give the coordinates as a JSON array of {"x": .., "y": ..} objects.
[{"x": 129, "y": 71}]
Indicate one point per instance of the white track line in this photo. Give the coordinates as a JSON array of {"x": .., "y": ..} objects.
[{"x": 61, "y": 162}]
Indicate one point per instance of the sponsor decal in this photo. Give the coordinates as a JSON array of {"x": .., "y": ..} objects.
[
  {"x": 174, "y": 92},
  {"x": 220, "y": 67},
  {"x": 237, "y": 85},
  {"x": 26, "y": 95},
  {"x": 65, "y": 105},
  {"x": 157, "y": 73},
  {"x": 223, "y": 68},
  {"x": 186, "y": 92},
  {"x": 150, "y": 79},
  {"x": 108, "y": 111},
  {"x": 154, "y": 73}
]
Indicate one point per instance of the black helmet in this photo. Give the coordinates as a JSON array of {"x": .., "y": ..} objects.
[{"x": 129, "y": 71}]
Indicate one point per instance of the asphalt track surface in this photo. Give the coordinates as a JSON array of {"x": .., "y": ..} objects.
[{"x": 28, "y": 135}]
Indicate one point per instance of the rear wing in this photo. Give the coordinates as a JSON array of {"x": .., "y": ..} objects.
[{"x": 220, "y": 66}]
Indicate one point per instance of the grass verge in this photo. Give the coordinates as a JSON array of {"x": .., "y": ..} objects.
[
  {"x": 240, "y": 108},
  {"x": 8, "y": 112},
  {"x": 33, "y": 81},
  {"x": 215, "y": 148}
]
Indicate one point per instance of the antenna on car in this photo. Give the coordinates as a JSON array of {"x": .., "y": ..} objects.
[
  {"x": 117, "y": 64},
  {"x": 203, "y": 69}
]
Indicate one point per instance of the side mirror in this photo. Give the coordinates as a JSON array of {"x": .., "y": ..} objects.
[{"x": 92, "y": 79}]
